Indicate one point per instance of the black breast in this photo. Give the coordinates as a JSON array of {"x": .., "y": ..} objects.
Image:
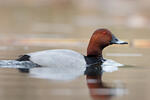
[
  {"x": 93, "y": 65},
  {"x": 92, "y": 60}
]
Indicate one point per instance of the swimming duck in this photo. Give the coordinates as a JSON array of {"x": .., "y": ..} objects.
[{"x": 71, "y": 60}]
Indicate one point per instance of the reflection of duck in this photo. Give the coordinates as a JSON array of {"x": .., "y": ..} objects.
[
  {"x": 66, "y": 59},
  {"x": 97, "y": 88}
]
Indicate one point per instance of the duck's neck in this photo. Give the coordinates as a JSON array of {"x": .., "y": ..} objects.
[{"x": 94, "y": 51}]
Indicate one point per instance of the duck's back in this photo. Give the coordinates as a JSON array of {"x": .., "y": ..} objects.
[{"x": 58, "y": 58}]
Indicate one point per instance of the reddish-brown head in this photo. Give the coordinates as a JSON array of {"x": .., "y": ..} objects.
[{"x": 99, "y": 40}]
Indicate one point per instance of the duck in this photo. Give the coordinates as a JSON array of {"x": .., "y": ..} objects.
[{"x": 70, "y": 61}]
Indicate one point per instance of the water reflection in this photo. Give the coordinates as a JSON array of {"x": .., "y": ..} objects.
[
  {"x": 97, "y": 88},
  {"x": 54, "y": 73},
  {"x": 100, "y": 90}
]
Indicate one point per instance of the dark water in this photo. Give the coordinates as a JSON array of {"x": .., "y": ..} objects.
[{"x": 32, "y": 26}]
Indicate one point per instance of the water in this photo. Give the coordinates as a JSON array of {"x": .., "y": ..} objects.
[
  {"x": 129, "y": 82},
  {"x": 28, "y": 26}
]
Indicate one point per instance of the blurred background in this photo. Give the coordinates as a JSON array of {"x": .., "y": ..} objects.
[{"x": 33, "y": 25}]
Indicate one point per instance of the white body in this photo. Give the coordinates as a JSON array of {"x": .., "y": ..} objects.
[
  {"x": 59, "y": 64},
  {"x": 58, "y": 58}
]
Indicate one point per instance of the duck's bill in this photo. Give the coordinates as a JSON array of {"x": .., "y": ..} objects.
[
  {"x": 120, "y": 42},
  {"x": 117, "y": 41}
]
